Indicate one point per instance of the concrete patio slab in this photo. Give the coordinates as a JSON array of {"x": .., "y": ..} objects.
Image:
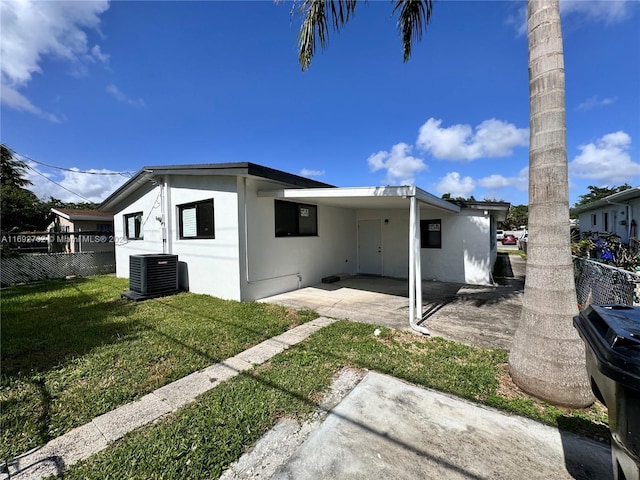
[
  {"x": 386, "y": 428},
  {"x": 476, "y": 315}
]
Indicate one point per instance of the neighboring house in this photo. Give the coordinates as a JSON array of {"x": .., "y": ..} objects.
[
  {"x": 618, "y": 214},
  {"x": 243, "y": 231},
  {"x": 74, "y": 231}
]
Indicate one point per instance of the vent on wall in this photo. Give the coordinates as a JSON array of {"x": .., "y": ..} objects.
[{"x": 152, "y": 275}]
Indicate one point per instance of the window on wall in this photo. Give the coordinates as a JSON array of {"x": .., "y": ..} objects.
[
  {"x": 296, "y": 219},
  {"x": 594, "y": 220},
  {"x": 133, "y": 226},
  {"x": 605, "y": 220},
  {"x": 431, "y": 233},
  {"x": 196, "y": 220}
]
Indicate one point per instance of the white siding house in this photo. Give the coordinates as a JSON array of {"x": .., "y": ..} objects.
[
  {"x": 243, "y": 231},
  {"x": 618, "y": 214}
]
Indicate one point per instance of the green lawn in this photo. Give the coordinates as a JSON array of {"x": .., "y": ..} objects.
[
  {"x": 72, "y": 350},
  {"x": 202, "y": 439}
]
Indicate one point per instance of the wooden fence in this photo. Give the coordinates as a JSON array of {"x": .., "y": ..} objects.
[{"x": 32, "y": 267}]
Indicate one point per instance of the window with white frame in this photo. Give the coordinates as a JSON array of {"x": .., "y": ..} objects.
[{"x": 196, "y": 220}]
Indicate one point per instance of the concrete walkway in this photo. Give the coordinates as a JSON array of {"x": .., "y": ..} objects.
[{"x": 84, "y": 441}]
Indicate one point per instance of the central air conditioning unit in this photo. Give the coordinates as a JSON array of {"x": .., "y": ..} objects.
[{"x": 152, "y": 275}]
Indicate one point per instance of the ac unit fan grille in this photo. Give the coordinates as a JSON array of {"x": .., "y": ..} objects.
[{"x": 153, "y": 274}]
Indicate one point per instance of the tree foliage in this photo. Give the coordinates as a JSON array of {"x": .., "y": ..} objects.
[
  {"x": 12, "y": 170},
  {"x": 447, "y": 196},
  {"x": 22, "y": 210},
  {"x": 518, "y": 215},
  {"x": 319, "y": 15},
  {"x": 597, "y": 193}
]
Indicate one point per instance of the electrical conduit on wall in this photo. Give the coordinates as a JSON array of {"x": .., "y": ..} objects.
[{"x": 246, "y": 246}]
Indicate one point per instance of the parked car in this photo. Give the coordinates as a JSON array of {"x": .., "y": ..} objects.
[
  {"x": 499, "y": 234},
  {"x": 509, "y": 239}
]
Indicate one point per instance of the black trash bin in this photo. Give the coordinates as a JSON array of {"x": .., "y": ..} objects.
[{"x": 611, "y": 334}]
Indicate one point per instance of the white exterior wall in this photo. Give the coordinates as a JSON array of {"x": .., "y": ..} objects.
[
  {"x": 465, "y": 257},
  {"x": 281, "y": 264},
  {"x": 617, "y": 214},
  {"x": 147, "y": 203},
  {"x": 212, "y": 264}
]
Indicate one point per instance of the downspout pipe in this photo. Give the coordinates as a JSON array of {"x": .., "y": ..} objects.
[
  {"x": 246, "y": 246},
  {"x": 628, "y": 219},
  {"x": 415, "y": 268}
]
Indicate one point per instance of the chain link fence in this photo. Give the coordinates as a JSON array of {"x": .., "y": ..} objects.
[
  {"x": 600, "y": 284},
  {"x": 32, "y": 267}
]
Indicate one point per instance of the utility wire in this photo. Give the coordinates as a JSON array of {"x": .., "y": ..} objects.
[
  {"x": 61, "y": 186},
  {"x": 123, "y": 174}
]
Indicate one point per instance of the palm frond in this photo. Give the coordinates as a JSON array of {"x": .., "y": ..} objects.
[
  {"x": 315, "y": 25},
  {"x": 414, "y": 15}
]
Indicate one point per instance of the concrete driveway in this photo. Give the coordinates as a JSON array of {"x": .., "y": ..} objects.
[{"x": 475, "y": 315}]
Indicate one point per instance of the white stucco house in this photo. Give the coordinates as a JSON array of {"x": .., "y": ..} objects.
[
  {"x": 618, "y": 214},
  {"x": 244, "y": 231}
]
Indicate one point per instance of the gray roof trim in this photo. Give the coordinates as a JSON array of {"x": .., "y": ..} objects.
[
  {"x": 234, "y": 169},
  {"x": 620, "y": 197}
]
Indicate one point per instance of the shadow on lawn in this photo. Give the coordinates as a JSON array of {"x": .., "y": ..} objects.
[{"x": 48, "y": 331}]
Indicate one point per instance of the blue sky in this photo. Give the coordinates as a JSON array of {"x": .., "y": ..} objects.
[{"x": 109, "y": 87}]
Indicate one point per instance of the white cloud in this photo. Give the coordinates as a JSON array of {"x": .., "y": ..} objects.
[
  {"x": 492, "y": 138},
  {"x": 307, "y": 172},
  {"x": 456, "y": 185},
  {"x": 594, "y": 102},
  {"x": 401, "y": 167},
  {"x": 96, "y": 53},
  {"x": 607, "y": 160},
  {"x": 608, "y": 12},
  {"x": 93, "y": 187},
  {"x": 14, "y": 99},
  {"x": 31, "y": 30},
  {"x": 494, "y": 182},
  {"x": 121, "y": 97}
]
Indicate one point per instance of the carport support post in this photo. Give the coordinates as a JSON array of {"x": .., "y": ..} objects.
[{"x": 415, "y": 267}]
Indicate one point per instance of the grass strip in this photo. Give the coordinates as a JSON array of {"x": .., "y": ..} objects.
[
  {"x": 204, "y": 438},
  {"x": 72, "y": 350}
]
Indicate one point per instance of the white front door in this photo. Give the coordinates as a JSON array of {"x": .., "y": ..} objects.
[{"x": 370, "y": 247}]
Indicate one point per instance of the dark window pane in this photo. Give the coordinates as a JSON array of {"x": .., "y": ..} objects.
[
  {"x": 430, "y": 234},
  {"x": 197, "y": 220},
  {"x": 205, "y": 219},
  {"x": 295, "y": 219},
  {"x": 308, "y": 223}
]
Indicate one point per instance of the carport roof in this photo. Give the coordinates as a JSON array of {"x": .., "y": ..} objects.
[{"x": 362, "y": 197}]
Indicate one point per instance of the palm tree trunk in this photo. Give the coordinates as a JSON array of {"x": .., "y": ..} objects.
[{"x": 547, "y": 358}]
